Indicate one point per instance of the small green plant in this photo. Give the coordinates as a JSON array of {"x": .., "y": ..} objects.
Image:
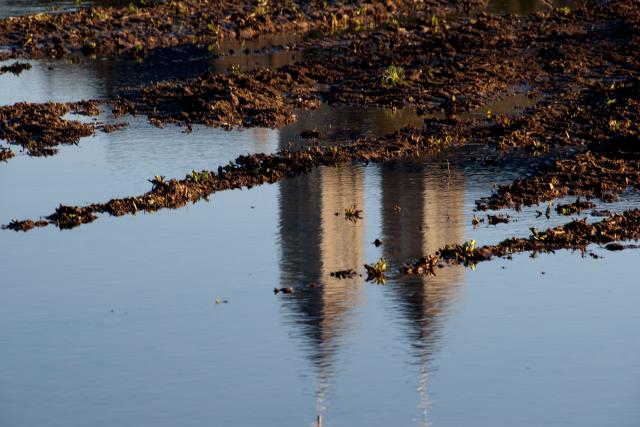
[
  {"x": 352, "y": 214},
  {"x": 375, "y": 272},
  {"x": 262, "y": 8},
  {"x": 439, "y": 141},
  {"x": 535, "y": 235},
  {"x": 435, "y": 23},
  {"x": 198, "y": 177},
  {"x": 565, "y": 11},
  {"x": 468, "y": 247},
  {"x": 393, "y": 76}
]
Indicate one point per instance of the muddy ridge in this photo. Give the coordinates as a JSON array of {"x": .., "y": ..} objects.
[
  {"x": 441, "y": 68},
  {"x": 245, "y": 172},
  {"x": 262, "y": 97},
  {"x": 588, "y": 175},
  {"x": 577, "y": 234},
  {"x": 16, "y": 68},
  {"x": 39, "y": 128},
  {"x": 146, "y": 25}
]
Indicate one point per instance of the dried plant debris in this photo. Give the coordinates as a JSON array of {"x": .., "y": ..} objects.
[
  {"x": 476, "y": 221},
  {"x": 24, "y": 225},
  {"x": 343, "y": 274},
  {"x": 577, "y": 234},
  {"x": 251, "y": 170},
  {"x": 498, "y": 219},
  {"x": 581, "y": 66},
  {"x": 16, "y": 68},
  {"x": 5, "y": 154},
  {"x": 412, "y": 65},
  {"x": 423, "y": 265},
  {"x": 310, "y": 134},
  {"x": 110, "y": 128}
]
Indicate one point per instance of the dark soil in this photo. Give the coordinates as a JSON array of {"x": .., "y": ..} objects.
[
  {"x": 40, "y": 128},
  {"x": 588, "y": 175},
  {"x": 149, "y": 25},
  {"x": 16, "y": 68},
  {"x": 577, "y": 234},
  {"x": 236, "y": 99},
  {"x": 5, "y": 154}
]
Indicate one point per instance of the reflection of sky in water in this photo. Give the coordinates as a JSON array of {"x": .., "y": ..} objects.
[{"x": 510, "y": 347}]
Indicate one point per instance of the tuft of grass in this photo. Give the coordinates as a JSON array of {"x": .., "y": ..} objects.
[
  {"x": 352, "y": 214},
  {"x": 393, "y": 76},
  {"x": 375, "y": 272}
]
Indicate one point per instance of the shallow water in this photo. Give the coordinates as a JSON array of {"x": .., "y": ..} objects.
[{"x": 116, "y": 322}]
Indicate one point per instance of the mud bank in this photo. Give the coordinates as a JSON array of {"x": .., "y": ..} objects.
[
  {"x": 246, "y": 172},
  {"x": 145, "y": 25},
  {"x": 40, "y": 128},
  {"x": 577, "y": 234}
]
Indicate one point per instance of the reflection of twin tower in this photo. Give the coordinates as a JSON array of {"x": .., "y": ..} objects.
[{"x": 316, "y": 242}]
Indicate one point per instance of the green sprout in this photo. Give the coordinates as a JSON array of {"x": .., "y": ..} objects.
[
  {"x": 375, "y": 272},
  {"x": 393, "y": 76}
]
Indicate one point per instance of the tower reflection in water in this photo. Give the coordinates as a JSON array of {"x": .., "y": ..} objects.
[
  {"x": 421, "y": 211},
  {"x": 314, "y": 242}
]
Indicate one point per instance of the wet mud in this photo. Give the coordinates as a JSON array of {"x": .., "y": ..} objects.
[
  {"x": 439, "y": 67},
  {"x": 588, "y": 175},
  {"x": 577, "y": 235},
  {"x": 40, "y": 128},
  {"x": 5, "y": 154},
  {"x": 16, "y": 68},
  {"x": 146, "y": 25},
  {"x": 252, "y": 99}
]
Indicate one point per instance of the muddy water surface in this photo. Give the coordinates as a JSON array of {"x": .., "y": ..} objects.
[{"x": 124, "y": 321}]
